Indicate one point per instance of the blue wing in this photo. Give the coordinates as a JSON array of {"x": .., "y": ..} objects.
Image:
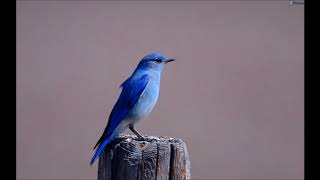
[{"x": 130, "y": 94}]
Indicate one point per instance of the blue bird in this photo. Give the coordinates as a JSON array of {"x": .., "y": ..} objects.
[{"x": 137, "y": 99}]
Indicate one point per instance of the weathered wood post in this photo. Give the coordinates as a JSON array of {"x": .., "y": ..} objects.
[{"x": 159, "y": 158}]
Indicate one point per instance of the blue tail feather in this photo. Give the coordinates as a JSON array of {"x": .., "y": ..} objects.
[{"x": 101, "y": 148}]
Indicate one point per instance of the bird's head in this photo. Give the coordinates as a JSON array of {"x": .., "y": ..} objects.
[{"x": 155, "y": 61}]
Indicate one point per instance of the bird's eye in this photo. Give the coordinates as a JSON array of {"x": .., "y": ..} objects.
[{"x": 158, "y": 60}]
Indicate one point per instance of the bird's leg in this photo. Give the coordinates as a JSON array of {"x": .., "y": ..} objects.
[{"x": 135, "y": 132}]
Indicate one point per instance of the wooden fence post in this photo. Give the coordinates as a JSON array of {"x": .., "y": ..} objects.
[{"x": 159, "y": 158}]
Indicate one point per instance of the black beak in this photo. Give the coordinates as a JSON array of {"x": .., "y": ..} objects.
[{"x": 169, "y": 60}]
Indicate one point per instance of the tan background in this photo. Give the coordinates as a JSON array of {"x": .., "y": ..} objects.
[{"x": 234, "y": 95}]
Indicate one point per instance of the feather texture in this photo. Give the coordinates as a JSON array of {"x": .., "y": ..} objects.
[{"x": 130, "y": 94}]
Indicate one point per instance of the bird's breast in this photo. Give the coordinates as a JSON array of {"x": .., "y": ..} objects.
[{"x": 146, "y": 101}]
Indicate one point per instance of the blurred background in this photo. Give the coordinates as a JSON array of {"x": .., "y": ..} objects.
[{"x": 234, "y": 95}]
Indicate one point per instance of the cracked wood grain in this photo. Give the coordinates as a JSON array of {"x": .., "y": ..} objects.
[{"x": 154, "y": 158}]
